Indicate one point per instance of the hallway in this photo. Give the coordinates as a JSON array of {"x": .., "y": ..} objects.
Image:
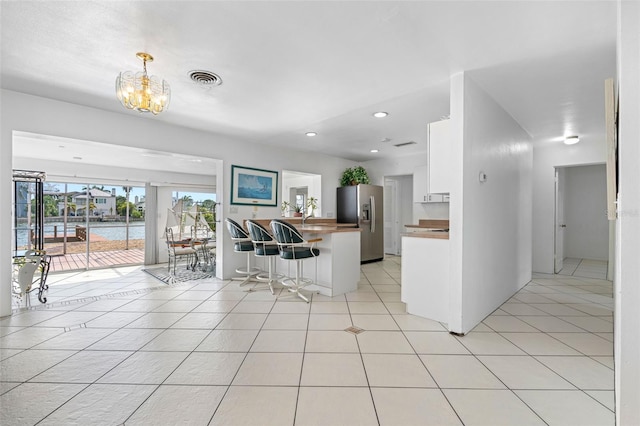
[{"x": 585, "y": 268}]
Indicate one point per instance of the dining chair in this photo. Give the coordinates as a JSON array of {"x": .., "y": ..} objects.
[{"x": 178, "y": 250}]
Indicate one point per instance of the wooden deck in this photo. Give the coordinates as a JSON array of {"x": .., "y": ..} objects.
[{"x": 102, "y": 259}]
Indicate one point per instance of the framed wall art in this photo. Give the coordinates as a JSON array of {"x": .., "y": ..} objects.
[{"x": 254, "y": 187}]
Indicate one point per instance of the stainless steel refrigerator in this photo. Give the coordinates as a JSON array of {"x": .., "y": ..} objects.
[{"x": 363, "y": 204}]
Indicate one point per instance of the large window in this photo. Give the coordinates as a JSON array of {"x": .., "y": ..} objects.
[
  {"x": 196, "y": 212},
  {"x": 93, "y": 226}
]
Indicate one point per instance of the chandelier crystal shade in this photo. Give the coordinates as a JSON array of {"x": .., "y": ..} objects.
[{"x": 141, "y": 92}]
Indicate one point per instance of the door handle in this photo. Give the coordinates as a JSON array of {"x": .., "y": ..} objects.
[
  {"x": 372, "y": 203},
  {"x": 563, "y": 226}
]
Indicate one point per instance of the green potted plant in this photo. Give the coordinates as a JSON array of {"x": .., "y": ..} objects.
[
  {"x": 347, "y": 177},
  {"x": 312, "y": 205},
  {"x": 297, "y": 211},
  {"x": 354, "y": 176}
]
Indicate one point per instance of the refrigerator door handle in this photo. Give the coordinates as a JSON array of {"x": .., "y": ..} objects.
[{"x": 372, "y": 203}]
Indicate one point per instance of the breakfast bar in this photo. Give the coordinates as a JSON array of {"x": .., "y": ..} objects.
[{"x": 338, "y": 265}]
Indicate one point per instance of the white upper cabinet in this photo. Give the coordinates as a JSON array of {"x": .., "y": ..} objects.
[
  {"x": 420, "y": 193},
  {"x": 438, "y": 158}
]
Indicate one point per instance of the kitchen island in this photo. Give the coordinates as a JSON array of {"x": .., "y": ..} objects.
[
  {"x": 338, "y": 266},
  {"x": 425, "y": 270}
]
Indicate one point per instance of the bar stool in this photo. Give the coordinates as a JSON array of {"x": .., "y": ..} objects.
[
  {"x": 264, "y": 246},
  {"x": 242, "y": 244},
  {"x": 292, "y": 246}
]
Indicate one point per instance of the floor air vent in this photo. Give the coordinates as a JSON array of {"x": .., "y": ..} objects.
[{"x": 353, "y": 330}]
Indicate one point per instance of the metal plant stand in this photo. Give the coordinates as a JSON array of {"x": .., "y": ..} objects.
[{"x": 30, "y": 274}]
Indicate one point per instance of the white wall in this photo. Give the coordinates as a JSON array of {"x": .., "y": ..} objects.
[
  {"x": 546, "y": 156},
  {"x": 430, "y": 211},
  {"x": 627, "y": 290},
  {"x": 587, "y": 232},
  {"x": 378, "y": 169},
  {"x": 46, "y": 116},
  {"x": 491, "y": 221}
]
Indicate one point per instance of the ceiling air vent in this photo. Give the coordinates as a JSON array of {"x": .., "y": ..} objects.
[
  {"x": 205, "y": 78},
  {"x": 400, "y": 145}
]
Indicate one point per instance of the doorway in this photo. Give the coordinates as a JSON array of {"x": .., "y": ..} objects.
[
  {"x": 582, "y": 234},
  {"x": 297, "y": 189},
  {"x": 398, "y": 211},
  {"x": 94, "y": 226}
]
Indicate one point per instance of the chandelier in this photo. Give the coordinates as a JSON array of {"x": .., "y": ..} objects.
[{"x": 140, "y": 92}]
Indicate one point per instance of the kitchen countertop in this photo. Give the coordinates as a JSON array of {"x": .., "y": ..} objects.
[
  {"x": 327, "y": 229},
  {"x": 315, "y": 225},
  {"x": 429, "y": 228},
  {"x": 437, "y": 234}
]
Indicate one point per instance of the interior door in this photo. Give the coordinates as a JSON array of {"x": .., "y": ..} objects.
[
  {"x": 391, "y": 242},
  {"x": 560, "y": 225}
]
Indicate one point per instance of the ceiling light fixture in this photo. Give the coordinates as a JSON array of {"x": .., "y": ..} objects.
[
  {"x": 380, "y": 114},
  {"x": 374, "y": 150},
  {"x": 140, "y": 92},
  {"x": 571, "y": 140},
  {"x": 311, "y": 134}
]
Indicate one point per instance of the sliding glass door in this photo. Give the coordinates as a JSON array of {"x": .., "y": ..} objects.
[{"x": 93, "y": 226}]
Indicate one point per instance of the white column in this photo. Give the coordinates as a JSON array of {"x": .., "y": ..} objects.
[{"x": 627, "y": 276}]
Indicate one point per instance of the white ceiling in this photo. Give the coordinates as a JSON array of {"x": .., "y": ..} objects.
[
  {"x": 292, "y": 67},
  {"x": 59, "y": 149}
]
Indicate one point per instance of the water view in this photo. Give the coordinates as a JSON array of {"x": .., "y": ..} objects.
[{"x": 115, "y": 231}]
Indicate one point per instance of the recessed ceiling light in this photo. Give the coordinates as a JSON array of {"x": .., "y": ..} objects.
[
  {"x": 311, "y": 134},
  {"x": 380, "y": 114},
  {"x": 374, "y": 150},
  {"x": 385, "y": 140},
  {"x": 571, "y": 140}
]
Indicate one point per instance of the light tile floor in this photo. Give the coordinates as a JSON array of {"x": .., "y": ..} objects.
[
  {"x": 586, "y": 268},
  {"x": 208, "y": 352}
]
